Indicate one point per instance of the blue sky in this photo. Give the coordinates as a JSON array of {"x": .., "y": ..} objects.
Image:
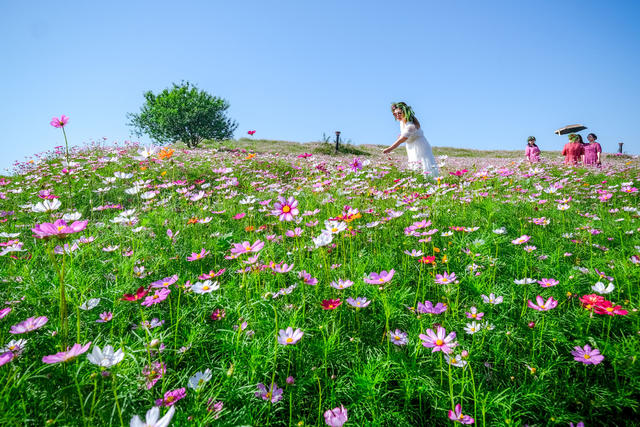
[{"x": 479, "y": 74}]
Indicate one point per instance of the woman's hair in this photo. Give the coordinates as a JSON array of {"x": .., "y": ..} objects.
[
  {"x": 409, "y": 115},
  {"x": 531, "y": 138},
  {"x": 578, "y": 138},
  {"x": 593, "y": 135}
]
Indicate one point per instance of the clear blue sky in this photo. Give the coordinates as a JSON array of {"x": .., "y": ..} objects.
[{"x": 479, "y": 74}]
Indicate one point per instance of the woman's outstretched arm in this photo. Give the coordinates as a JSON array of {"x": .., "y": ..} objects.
[{"x": 399, "y": 141}]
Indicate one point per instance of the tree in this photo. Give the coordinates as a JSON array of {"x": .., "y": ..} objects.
[{"x": 183, "y": 113}]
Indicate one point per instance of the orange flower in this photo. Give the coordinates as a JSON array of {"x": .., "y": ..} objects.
[
  {"x": 165, "y": 153},
  {"x": 250, "y": 156},
  {"x": 192, "y": 220},
  {"x": 143, "y": 168},
  {"x": 436, "y": 250},
  {"x": 249, "y": 228}
]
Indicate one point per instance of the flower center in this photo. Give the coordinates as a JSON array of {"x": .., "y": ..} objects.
[
  {"x": 289, "y": 339},
  {"x": 474, "y": 315},
  {"x": 60, "y": 227},
  {"x": 205, "y": 288},
  {"x": 609, "y": 309},
  {"x": 286, "y": 209},
  {"x": 170, "y": 399},
  {"x": 439, "y": 342},
  {"x": 156, "y": 296},
  {"x": 397, "y": 338},
  {"x": 586, "y": 356}
]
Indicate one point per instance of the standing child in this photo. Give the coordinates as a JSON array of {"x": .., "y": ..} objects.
[{"x": 532, "y": 152}]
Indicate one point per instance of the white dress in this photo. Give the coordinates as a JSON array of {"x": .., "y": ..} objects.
[{"x": 418, "y": 149}]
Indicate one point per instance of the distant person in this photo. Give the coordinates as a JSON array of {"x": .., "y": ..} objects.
[
  {"x": 573, "y": 150},
  {"x": 418, "y": 149},
  {"x": 592, "y": 151},
  {"x": 532, "y": 152}
]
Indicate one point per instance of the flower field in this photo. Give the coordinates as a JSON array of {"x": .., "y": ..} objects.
[{"x": 233, "y": 287}]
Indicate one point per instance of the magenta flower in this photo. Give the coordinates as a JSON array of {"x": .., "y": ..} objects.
[
  {"x": 359, "y": 302},
  {"x": 307, "y": 279},
  {"x": 31, "y": 324},
  {"x": 285, "y": 209},
  {"x": 196, "y": 256},
  {"x": 153, "y": 373},
  {"x": 546, "y": 283},
  {"x": 245, "y": 247},
  {"x": 429, "y": 308},
  {"x": 66, "y": 356},
  {"x": 473, "y": 314},
  {"x": 4, "y": 312},
  {"x": 6, "y": 357},
  {"x": 59, "y": 122},
  {"x": 289, "y": 336},
  {"x": 282, "y": 268},
  {"x": 438, "y": 341},
  {"x": 59, "y": 228},
  {"x": 274, "y": 394},
  {"x": 397, "y": 337},
  {"x": 379, "y": 278},
  {"x": 445, "y": 279},
  {"x": 520, "y": 240},
  {"x": 587, "y": 355},
  {"x": 159, "y": 296},
  {"x": 166, "y": 282},
  {"x": 171, "y": 397},
  {"x": 457, "y": 416},
  {"x": 105, "y": 317},
  {"x": 542, "y": 305},
  {"x": 336, "y": 417}
]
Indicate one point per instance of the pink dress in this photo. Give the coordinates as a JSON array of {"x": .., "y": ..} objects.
[
  {"x": 572, "y": 152},
  {"x": 591, "y": 153},
  {"x": 533, "y": 153}
]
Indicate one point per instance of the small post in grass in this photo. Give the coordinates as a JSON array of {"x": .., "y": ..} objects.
[
  {"x": 337, "y": 140},
  {"x": 619, "y": 147}
]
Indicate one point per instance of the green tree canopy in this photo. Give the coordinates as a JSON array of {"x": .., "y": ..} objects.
[{"x": 183, "y": 113}]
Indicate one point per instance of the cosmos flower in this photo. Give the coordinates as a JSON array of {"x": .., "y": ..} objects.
[
  {"x": 546, "y": 283},
  {"x": 457, "y": 416},
  {"x": 438, "y": 340},
  {"x": 106, "y": 357},
  {"x": 172, "y": 397},
  {"x": 607, "y": 307},
  {"x": 159, "y": 296},
  {"x": 445, "y": 279},
  {"x": 587, "y": 355},
  {"x": 58, "y": 228},
  {"x": 379, "y": 278},
  {"x": 341, "y": 284},
  {"x": 520, "y": 240},
  {"x": 274, "y": 394},
  {"x": 141, "y": 292},
  {"x": 204, "y": 287},
  {"x": 59, "y": 122},
  {"x": 197, "y": 256},
  {"x": 165, "y": 283},
  {"x": 397, "y": 337},
  {"x": 285, "y": 209},
  {"x": 492, "y": 299},
  {"x": 359, "y": 302},
  {"x": 105, "y": 317},
  {"x": 542, "y": 304},
  {"x": 600, "y": 288},
  {"x": 289, "y": 336},
  {"x": 428, "y": 308},
  {"x": 31, "y": 324},
  {"x": 331, "y": 304},
  {"x": 65, "y": 356},
  {"x": 199, "y": 379},
  {"x": 473, "y": 314},
  {"x": 336, "y": 417}
]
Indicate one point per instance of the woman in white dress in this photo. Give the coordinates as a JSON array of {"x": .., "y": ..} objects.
[{"x": 418, "y": 149}]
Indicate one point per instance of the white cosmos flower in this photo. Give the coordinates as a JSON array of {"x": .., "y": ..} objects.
[
  {"x": 47, "y": 206},
  {"x": 72, "y": 216},
  {"x": 90, "y": 304},
  {"x": 199, "y": 379},
  {"x": 122, "y": 175},
  {"x": 500, "y": 230},
  {"x": 148, "y": 195},
  {"x": 600, "y": 288},
  {"x": 9, "y": 235},
  {"x": 133, "y": 190},
  {"x": 525, "y": 281},
  {"x": 323, "y": 239},
  {"x": 205, "y": 287},
  {"x": 473, "y": 327},
  {"x": 335, "y": 227},
  {"x": 145, "y": 152},
  {"x": 105, "y": 357},
  {"x": 152, "y": 418}
]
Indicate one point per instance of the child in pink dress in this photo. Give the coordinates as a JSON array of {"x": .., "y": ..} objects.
[
  {"x": 532, "y": 151},
  {"x": 592, "y": 151}
]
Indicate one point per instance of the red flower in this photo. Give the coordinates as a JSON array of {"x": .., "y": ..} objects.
[
  {"x": 459, "y": 173},
  {"x": 140, "y": 293},
  {"x": 331, "y": 304},
  {"x": 607, "y": 307},
  {"x": 251, "y": 132},
  {"x": 428, "y": 259},
  {"x": 589, "y": 301}
]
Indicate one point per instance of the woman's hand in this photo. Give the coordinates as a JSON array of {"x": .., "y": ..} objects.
[{"x": 387, "y": 150}]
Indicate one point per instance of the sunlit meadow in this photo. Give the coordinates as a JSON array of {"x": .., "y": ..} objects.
[{"x": 234, "y": 286}]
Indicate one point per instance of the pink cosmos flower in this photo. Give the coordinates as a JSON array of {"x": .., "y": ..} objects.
[
  {"x": 65, "y": 356},
  {"x": 379, "y": 278},
  {"x": 587, "y": 355},
  {"x": 359, "y": 302},
  {"x": 159, "y": 296},
  {"x": 438, "y": 341},
  {"x": 397, "y": 337},
  {"x": 307, "y": 279},
  {"x": 166, "y": 282},
  {"x": 274, "y": 394},
  {"x": 282, "y": 268},
  {"x": 6, "y": 357},
  {"x": 31, "y": 324},
  {"x": 473, "y": 314},
  {"x": 245, "y": 247},
  {"x": 546, "y": 283},
  {"x": 542, "y": 305},
  {"x": 445, "y": 279},
  {"x": 429, "y": 308},
  {"x": 5, "y": 311},
  {"x": 196, "y": 256},
  {"x": 285, "y": 209},
  {"x": 171, "y": 397},
  {"x": 289, "y": 336},
  {"x": 59, "y": 122},
  {"x": 105, "y": 317},
  {"x": 607, "y": 307},
  {"x": 336, "y": 417},
  {"x": 341, "y": 284},
  {"x": 331, "y": 304},
  {"x": 153, "y": 373},
  {"x": 520, "y": 240},
  {"x": 456, "y": 415},
  {"x": 58, "y": 228},
  {"x": 239, "y": 216}
]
